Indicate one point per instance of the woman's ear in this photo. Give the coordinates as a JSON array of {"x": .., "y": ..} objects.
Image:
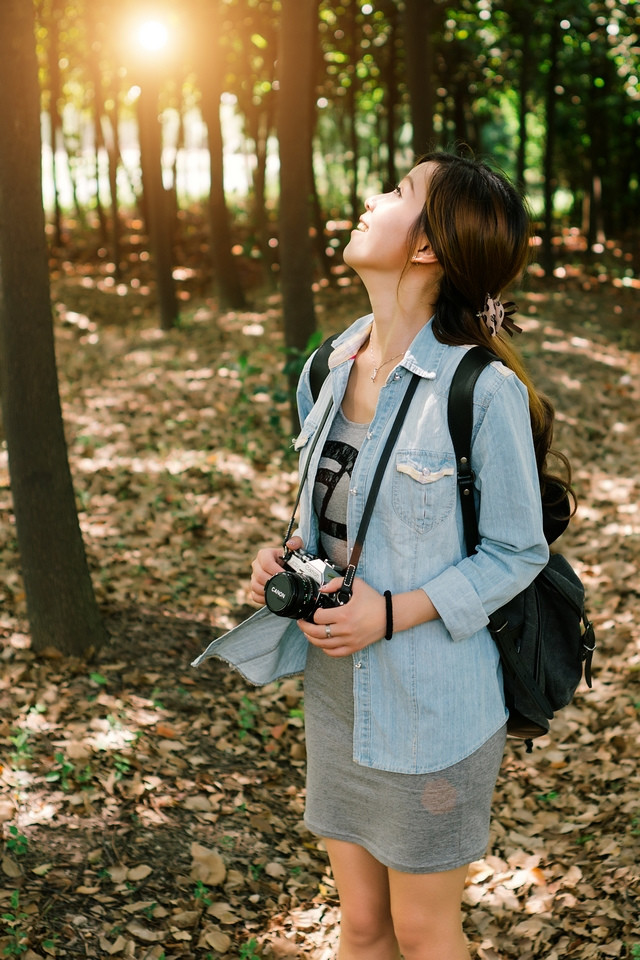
[{"x": 424, "y": 254}]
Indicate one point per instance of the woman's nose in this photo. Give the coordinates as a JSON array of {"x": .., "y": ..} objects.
[{"x": 370, "y": 202}]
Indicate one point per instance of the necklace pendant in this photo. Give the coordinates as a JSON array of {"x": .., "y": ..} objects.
[{"x": 374, "y": 375}]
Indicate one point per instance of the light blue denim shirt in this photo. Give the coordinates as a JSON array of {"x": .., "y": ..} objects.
[{"x": 433, "y": 694}]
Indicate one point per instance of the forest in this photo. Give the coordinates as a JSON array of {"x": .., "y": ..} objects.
[{"x": 178, "y": 180}]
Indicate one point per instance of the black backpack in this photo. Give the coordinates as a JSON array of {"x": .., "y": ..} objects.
[{"x": 544, "y": 636}]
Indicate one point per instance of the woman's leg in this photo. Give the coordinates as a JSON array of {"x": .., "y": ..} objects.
[
  {"x": 427, "y": 914},
  {"x": 366, "y": 928}
]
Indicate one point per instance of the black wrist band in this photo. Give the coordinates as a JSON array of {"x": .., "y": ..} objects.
[{"x": 387, "y": 599}]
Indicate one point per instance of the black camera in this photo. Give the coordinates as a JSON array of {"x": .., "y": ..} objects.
[{"x": 295, "y": 593}]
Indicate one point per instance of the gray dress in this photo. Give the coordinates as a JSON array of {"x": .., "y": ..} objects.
[{"x": 413, "y": 823}]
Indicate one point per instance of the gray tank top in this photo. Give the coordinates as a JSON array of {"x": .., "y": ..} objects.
[{"x": 331, "y": 488}]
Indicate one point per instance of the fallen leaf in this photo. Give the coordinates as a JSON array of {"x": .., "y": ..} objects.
[
  {"x": 166, "y": 730},
  {"x": 10, "y": 868},
  {"x": 208, "y": 866},
  {"x": 144, "y": 933},
  {"x": 7, "y": 810},
  {"x": 185, "y": 918},
  {"x": 216, "y": 939}
]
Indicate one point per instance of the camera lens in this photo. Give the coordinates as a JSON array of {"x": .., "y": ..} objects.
[{"x": 291, "y": 595}]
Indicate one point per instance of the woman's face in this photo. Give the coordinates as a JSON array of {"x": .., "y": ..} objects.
[{"x": 379, "y": 241}]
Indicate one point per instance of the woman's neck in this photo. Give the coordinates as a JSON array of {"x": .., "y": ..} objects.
[
  {"x": 400, "y": 310},
  {"x": 396, "y": 322}
]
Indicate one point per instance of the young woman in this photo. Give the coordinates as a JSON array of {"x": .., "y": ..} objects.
[{"x": 405, "y": 736}]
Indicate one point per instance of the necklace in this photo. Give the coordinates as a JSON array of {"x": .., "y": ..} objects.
[{"x": 383, "y": 363}]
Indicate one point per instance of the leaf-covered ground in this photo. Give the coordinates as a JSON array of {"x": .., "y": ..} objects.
[{"x": 153, "y": 811}]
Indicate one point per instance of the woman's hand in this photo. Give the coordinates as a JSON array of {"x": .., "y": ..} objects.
[
  {"x": 267, "y": 563},
  {"x": 352, "y": 626}
]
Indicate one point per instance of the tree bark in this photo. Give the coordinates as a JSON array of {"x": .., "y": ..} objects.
[
  {"x": 226, "y": 276},
  {"x": 93, "y": 64},
  {"x": 392, "y": 96},
  {"x": 155, "y": 200},
  {"x": 294, "y": 121},
  {"x": 60, "y": 600},
  {"x": 418, "y": 37},
  {"x": 548, "y": 259},
  {"x": 523, "y": 94},
  {"x": 352, "y": 32},
  {"x": 55, "y": 120}
]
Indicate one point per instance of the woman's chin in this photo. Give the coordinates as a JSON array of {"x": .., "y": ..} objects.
[{"x": 349, "y": 255}]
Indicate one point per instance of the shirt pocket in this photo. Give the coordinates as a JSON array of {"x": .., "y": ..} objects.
[{"x": 424, "y": 488}]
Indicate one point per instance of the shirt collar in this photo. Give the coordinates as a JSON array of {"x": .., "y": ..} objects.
[{"x": 422, "y": 357}]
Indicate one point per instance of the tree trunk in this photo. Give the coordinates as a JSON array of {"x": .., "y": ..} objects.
[
  {"x": 113, "y": 153},
  {"x": 418, "y": 38},
  {"x": 55, "y": 121},
  {"x": 227, "y": 279},
  {"x": 259, "y": 123},
  {"x": 548, "y": 260},
  {"x": 525, "y": 75},
  {"x": 60, "y": 600},
  {"x": 320, "y": 227},
  {"x": 98, "y": 105},
  {"x": 392, "y": 96},
  {"x": 155, "y": 200},
  {"x": 352, "y": 31},
  {"x": 297, "y": 39}
]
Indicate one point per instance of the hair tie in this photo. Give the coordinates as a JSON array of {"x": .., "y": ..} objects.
[{"x": 497, "y": 315}]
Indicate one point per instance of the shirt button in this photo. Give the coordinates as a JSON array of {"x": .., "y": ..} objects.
[
  {"x": 353, "y": 491},
  {"x": 358, "y": 665}
]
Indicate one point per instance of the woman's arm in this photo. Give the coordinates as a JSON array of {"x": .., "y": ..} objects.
[
  {"x": 363, "y": 620},
  {"x": 512, "y": 548}
]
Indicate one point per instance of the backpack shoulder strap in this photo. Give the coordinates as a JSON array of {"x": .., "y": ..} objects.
[
  {"x": 460, "y": 420},
  {"x": 319, "y": 368}
]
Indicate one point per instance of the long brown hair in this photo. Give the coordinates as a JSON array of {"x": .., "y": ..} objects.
[{"x": 478, "y": 226}]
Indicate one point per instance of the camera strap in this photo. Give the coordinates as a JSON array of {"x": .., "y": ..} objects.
[
  {"x": 303, "y": 478},
  {"x": 345, "y": 590},
  {"x": 344, "y": 593}
]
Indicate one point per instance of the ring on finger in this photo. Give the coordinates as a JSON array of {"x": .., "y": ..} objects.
[{"x": 327, "y": 631}]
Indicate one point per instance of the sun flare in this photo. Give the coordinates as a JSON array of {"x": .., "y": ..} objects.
[{"x": 153, "y": 35}]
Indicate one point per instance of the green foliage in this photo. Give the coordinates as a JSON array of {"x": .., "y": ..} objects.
[
  {"x": 16, "y": 842},
  {"x": 68, "y": 775},
  {"x": 122, "y": 766},
  {"x": 248, "y": 950},
  {"x": 483, "y": 81},
  {"x": 548, "y": 797},
  {"x": 246, "y": 717},
  {"x": 14, "y": 919},
  {"x": 201, "y": 892},
  {"x": 21, "y": 750},
  {"x": 296, "y": 358},
  {"x": 61, "y": 772}
]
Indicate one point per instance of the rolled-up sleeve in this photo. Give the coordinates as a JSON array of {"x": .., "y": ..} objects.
[{"x": 512, "y": 548}]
